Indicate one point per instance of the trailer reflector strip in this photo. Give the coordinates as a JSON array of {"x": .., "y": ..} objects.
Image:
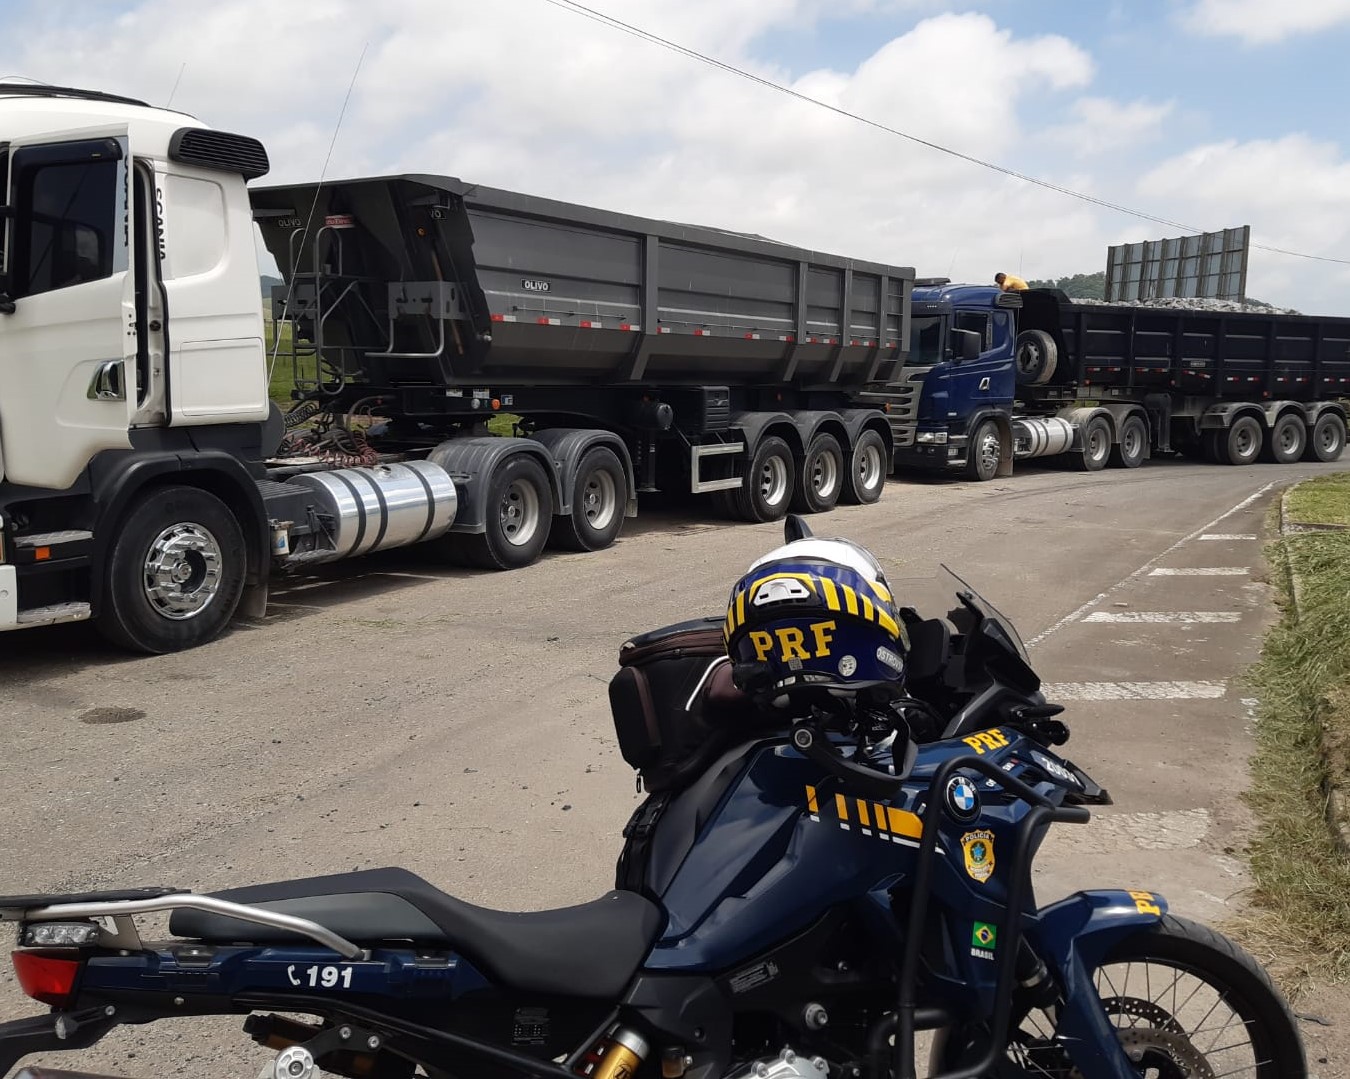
[
  {"x": 549, "y": 321},
  {"x": 663, "y": 329},
  {"x": 752, "y": 337},
  {"x": 702, "y": 333},
  {"x": 628, "y": 326},
  {"x": 586, "y": 324},
  {"x": 503, "y": 318}
]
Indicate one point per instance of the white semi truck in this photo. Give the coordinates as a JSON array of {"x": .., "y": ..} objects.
[{"x": 148, "y": 483}]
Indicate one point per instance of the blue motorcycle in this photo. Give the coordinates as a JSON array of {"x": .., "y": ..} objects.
[{"x": 813, "y": 880}]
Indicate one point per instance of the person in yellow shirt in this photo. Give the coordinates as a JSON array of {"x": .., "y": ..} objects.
[{"x": 1010, "y": 282}]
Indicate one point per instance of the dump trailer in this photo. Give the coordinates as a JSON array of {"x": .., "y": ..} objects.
[
  {"x": 148, "y": 481},
  {"x": 994, "y": 377}
]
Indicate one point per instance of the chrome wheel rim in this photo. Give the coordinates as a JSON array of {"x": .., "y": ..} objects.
[
  {"x": 869, "y": 468},
  {"x": 182, "y": 572},
  {"x": 825, "y": 474},
  {"x": 1029, "y": 359},
  {"x": 520, "y": 513},
  {"x": 1133, "y": 441},
  {"x": 773, "y": 480},
  {"x": 989, "y": 453},
  {"x": 599, "y": 499}
]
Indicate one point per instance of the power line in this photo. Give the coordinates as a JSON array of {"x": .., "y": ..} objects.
[{"x": 731, "y": 69}]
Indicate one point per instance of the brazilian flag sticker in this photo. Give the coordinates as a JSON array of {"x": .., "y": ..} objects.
[{"x": 984, "y": 936}]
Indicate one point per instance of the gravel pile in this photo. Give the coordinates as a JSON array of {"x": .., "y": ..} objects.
[{"x": 1194, "y": 303}]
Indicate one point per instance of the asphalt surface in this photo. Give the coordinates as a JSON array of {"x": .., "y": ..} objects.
[{"x": 394, "y": 712}]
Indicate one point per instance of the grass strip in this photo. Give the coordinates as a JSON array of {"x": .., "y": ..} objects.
[{"x": 1300, "y": 921}]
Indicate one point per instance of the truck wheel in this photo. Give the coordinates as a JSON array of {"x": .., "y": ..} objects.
[
  {"x": 867, "y": 478},
  {"x": 1132, "y": 448},
  {"x": 597, "y": 503},
  {"x": 1037, "y": 358},
  {"x": 1327, "y": 440},
  {"x": 1287, "y": 441},
  {"x": 984, "y": 453},
  {"x": 1096, "y": 449},
  {"x": 766, "y": 492},
  {"x": 1241, "y": 444},
  {"x": 519, "y": 511},
  {"x": 175, "y": 572},
  {"x": 821, "y": 477}
]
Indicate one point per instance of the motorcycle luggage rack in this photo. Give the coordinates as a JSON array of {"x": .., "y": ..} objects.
[
  {"x": 121, "y": 911},
  {"x": 1009, "y": 928}
]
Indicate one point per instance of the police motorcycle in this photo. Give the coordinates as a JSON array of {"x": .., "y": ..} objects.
[{"x": 805, "y": 888}]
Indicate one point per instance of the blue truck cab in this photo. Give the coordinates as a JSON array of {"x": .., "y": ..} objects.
[{"x": 961, "y": 375}]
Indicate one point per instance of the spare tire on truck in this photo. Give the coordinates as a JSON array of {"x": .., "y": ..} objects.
[{"x": 1037, "y": 358}]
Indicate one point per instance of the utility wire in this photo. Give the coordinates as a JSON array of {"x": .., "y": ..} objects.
[{"x": 750, "y": 76}]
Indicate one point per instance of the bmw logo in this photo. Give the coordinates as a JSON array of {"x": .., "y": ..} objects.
[{"x": 963, "y": 800}]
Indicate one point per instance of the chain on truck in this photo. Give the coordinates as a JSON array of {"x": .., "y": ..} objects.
[{"x": 148, "y": 482}]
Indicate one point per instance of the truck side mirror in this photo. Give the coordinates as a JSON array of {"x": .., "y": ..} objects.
[{"x": 965, "y": 344}]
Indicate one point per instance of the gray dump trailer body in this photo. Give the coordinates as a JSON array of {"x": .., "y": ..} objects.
[{"x": 469, "y": 285}]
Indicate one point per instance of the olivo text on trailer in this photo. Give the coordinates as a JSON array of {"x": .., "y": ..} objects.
[
  {"x": 148, "y": 482},
  {"x": 994, "y": 377}
]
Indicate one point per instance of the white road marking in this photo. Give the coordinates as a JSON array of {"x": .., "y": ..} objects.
[
  {"x": 1074, "y": 616},
  {"x": 1207, "y": 571},
  {"x": 1133, "y": 691},
  {"x": 1164, "y": 616},
  {"x": 1228, "y": 536}
]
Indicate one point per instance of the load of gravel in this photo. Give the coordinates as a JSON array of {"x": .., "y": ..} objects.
[{"x": 1197, "y": 303}]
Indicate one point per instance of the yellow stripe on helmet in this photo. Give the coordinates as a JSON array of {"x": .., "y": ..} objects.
[{"x": 831, "y": 593}]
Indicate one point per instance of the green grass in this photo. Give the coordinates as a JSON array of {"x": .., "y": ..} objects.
[
  {"x": 1322, "y": 502},
  {"x": 283, "y": 377},
  {"x": 1300, "y": 923}
]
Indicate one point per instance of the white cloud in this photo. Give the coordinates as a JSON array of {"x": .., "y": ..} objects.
[
  {"x": 523, "y": 95},
  {"x": 1099, "y": 125},
  {"x": 1259, "y": 22},
  {"x": 1290, "y": 190}
]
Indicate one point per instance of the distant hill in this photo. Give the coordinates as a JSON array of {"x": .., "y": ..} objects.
[
  {"x": 1081, "y": 286},
  {"x": 267, "y": 282}
]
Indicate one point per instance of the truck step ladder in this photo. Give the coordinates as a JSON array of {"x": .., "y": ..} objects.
[{"x": 56, "y": 613}]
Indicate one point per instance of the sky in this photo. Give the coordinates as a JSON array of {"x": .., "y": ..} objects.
[{"x": 1206, "y": 113}]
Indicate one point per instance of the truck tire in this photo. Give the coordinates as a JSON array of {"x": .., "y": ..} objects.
[
  {"x": 867, "y": 476},
  {"x": 1241, "y": 443},
  {"x": 175, "y": 572},
  {"x": 1326, "y": 441},
  {"x": 821, "y": 476},
  {"x": 519, "y": 511},
  {"x": 1286, "y": 441},
  {"x": 1037, "y": 358},
  {"x": 1096, "y": 449},
  {"x": 1212, "y": 445},
  {"x": 766, "y": 491},
  {"x": 984, "y": 452},
  {"x": 1132, "y": 448},
  {"x": 597, "y": 503}
]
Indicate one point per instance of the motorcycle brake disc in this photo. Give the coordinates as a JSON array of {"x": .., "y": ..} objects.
[
  {"x": 1144, "y": 1013},
  {"x": 1172, "y": 1054}
]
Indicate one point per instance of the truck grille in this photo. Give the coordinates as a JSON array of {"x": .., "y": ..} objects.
[{"x": 903, "y": 399}]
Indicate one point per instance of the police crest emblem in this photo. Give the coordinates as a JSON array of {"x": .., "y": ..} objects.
[{"x": 978, "y": 848}]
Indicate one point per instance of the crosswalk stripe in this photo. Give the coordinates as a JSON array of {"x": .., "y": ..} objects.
[
  {"x": 1164, "y": 616},
  {"x": 1133, "y": 691}
]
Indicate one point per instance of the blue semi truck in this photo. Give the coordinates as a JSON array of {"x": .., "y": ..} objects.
[{"x": 996, "y": 377}]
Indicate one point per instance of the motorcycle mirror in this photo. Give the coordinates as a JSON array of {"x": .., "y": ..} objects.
[{"x": 795, "y": 528}]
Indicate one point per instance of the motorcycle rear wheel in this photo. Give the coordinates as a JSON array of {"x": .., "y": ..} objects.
[{"x": 1187, "y": 1003}]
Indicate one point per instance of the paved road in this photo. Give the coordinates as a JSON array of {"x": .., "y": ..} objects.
[{"x": 394, "y": 712}]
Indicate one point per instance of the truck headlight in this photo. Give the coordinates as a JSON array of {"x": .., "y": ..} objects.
[{"x": 932, "y": 438}]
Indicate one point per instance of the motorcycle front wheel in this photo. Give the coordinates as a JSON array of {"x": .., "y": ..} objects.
[{"x": 1186, "y": 1002}]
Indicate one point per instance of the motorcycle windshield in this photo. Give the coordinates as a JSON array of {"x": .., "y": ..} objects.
[{"x": 935, "y": 595}]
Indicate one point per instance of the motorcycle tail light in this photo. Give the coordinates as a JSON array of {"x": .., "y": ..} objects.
[{"x": 46, "y": 978}]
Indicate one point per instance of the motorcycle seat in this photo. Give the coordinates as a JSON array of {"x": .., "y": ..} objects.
[{"x": 591, "y": 950}]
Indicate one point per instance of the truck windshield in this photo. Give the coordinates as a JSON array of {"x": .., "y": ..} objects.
[{"x": 925, "y": 341}]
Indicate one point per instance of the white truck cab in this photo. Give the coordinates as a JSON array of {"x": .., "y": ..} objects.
[{"x": 131, "y": 345}]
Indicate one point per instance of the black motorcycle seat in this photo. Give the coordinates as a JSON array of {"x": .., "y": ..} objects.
[{"x": 591, "y": 950}]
